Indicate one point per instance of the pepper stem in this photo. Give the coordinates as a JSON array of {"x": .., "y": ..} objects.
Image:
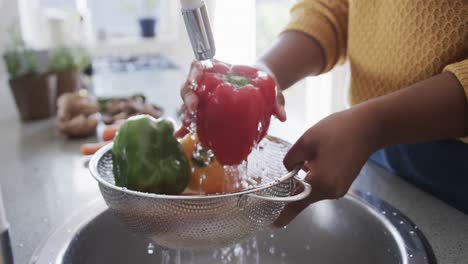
[
  {"x": 201, "y": 158},
  {"x": 237, "y": 80}
]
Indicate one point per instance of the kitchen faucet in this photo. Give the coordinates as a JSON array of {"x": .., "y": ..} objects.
[{"x": 198, "y": 28}]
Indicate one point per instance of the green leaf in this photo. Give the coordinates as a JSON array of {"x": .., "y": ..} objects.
[
  {"x": 13, "y": 63},
  {"x": 68, "y": 58}
]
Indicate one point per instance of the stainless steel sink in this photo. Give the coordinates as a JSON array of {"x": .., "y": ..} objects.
[{"x": 359, "y": 228}]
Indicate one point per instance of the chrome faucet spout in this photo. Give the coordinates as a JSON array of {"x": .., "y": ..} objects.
[{"x": 198, "y": 28}]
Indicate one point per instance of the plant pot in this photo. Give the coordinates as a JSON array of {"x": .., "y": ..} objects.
[
  {"x": 68, "y": 82},
  {"x": 147, "y": 27},
  {"x": 35, "y": 95}
]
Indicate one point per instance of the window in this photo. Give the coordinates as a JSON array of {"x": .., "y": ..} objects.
[
  {"x": 119, "y": 19},
  {"x": 102, "y": 25}
]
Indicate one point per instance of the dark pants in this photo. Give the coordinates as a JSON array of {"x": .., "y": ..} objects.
[{"x": 439, "y": 167}]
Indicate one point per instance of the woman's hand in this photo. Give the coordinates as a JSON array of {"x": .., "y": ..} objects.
[
  {"x": 191, "y": 100},
  {"x": 333, "y": 152},
  {"x": 337, "y": 147}
]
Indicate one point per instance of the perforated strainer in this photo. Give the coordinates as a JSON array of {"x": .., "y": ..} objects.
[{"x": 205, "y": 221}]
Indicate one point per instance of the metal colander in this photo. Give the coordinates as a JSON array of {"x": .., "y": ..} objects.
[{"x": 204, "y": 221}]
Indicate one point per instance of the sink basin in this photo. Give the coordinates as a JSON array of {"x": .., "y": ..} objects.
[{"x": 358, "y": 228}]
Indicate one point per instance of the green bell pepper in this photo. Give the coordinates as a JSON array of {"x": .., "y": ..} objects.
[{"x": 147, "y": 158}]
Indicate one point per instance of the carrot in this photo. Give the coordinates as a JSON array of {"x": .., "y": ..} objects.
[
  {"x": 109, "y": 132},
  {"x": 91, "y": 148}
]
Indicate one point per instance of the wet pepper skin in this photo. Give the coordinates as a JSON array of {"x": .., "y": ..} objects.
[
  {"x": 234, "y": 111},
  {"x": 208, "y": 176}
]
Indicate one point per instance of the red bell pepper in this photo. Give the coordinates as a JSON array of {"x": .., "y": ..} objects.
[{"x": 234, "y": 110}]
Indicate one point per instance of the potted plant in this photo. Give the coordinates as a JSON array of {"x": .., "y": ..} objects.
[
  {"x": 67, "y": 63},
  {"x": 34, "y": 92}
]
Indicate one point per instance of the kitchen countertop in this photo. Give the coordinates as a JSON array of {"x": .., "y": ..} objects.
[{"x": 44, "y": 180}]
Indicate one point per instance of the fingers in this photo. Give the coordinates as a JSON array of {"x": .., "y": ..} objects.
[
  {"x": 292, "y": 210},
  {"x": 301, "y": 152},
  {"x": 280, "y": 111},
  {"x": 188, "y": 95},
  {"x": 295, "y": 155}
]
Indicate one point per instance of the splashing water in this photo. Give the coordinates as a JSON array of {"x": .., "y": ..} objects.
[
  {"x": 171, "y": 257},
  {"x": 271, "y": 250},
  {"x": 239, "y": 177},
  {"x": 244, "y": 252},
  {"x": 150, "y": 248}
]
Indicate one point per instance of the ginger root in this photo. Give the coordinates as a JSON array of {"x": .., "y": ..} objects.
[{"x": 78, "y": 115}]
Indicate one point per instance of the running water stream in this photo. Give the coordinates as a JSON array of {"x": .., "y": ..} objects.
[{"x": 244, "y": 252}]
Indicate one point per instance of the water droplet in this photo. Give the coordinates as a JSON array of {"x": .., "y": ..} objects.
[
  {"x": 271, "y": 250},
  {"x": 283, "y": 254},
  {"x": 383, "y": 212},
  {"x": 69, "y": 231},
  {"x": 410, "y": 255},
  {"x": 238, "y": 250},
  {"x": 150, "y": 248},
  {"x": 20, "y": 245},
  {"x": 272, "y": 235},
  {"x": 394, "y": 213},
  {"x": 411, "y": 232},
  {"x": 401, "y": 222},
  {"x": 254, "y": 244},
  {"x": 307, "y": 247},
  {"x": 415, "y": 227},
  {"x": 261, "y": 146}
]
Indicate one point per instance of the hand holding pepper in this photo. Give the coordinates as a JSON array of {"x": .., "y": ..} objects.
[
  {"x": 233, "y": 106},
  {"x": 190, "y": 98}
]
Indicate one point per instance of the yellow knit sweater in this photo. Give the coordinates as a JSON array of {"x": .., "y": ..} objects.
[{"x": 390, "y": 43}]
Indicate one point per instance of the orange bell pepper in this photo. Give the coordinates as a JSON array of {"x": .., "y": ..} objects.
[{"x": 206, "y": 178}]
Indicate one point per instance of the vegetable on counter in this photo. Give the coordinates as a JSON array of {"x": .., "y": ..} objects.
[
  {"x": 147, "y": 158},
  {"x": 110, "y": 131},
  {"x": 115, "y": 109},
  {"x": 77, "y": 115},
  {"x": 107, "y": 135},
  {"x": 91, "y": 148},
  {"x": 206, "y": 177},
  {"x": 234, "y": 111}
]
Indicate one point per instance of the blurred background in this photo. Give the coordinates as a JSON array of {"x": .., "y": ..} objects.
[{"x": 141, "y": 46}]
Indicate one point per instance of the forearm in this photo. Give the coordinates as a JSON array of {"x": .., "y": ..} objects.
[
  {"x": 432, "y": 109},
  {"x": 292, "y": 57}
]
